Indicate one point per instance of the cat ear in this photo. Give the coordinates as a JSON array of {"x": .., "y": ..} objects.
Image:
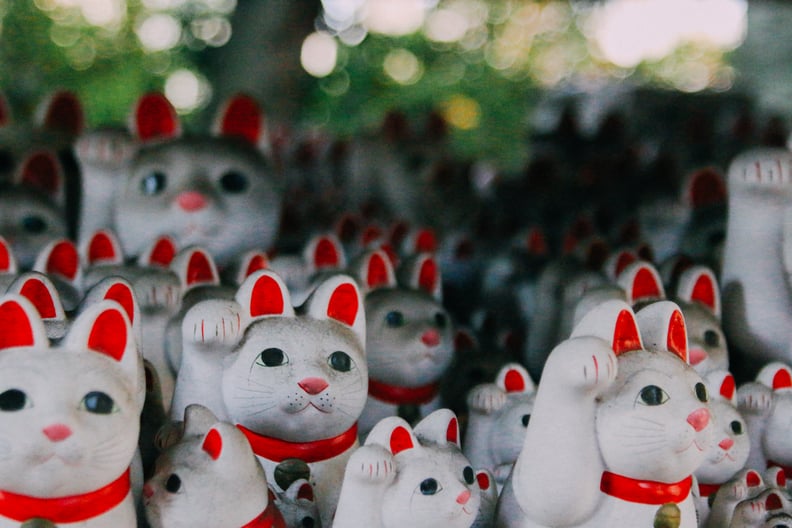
[
  {"x": 705, "y": 187},
  {"x": 102, "y": 248},
  {"x": 371, "y": 235},
  {"x": 213, "y": 443},
  {"x": 535, "y": 242},
  {"x": 663, "y": 328},
  {"x": 60, "y": 258},
  {"x": 338, "y": 298},
  {"x": 642, "y": 283},
  {"x": 242, "y": 117},
  {"x": 62, "y": 112},
  {"x": 374, "y": 270},
  {"x": 41, "y": 292},
  {"x": 247, "y": 264},
  {"x": 198, "y": 420},
  {"x": 613, "y": 321},
  {"x": 8, "y": 262},
  {"x": 698, "y": 284},
  {"x": 776, "y": 375},
  {"x": 394, "y": 434},
  {"x": 617, "y": 262},
  {"x": 721, "y": 383},
  {"x": 465, "y": 340},
  {"x": 195, "y": 267},
  {"x": 299, "y": 489},
  {"x": 422, "y": 240},
  {"x": 104, "y": 328},
  {"x": 439, "y": 427},
  {"x": 514, "y": 378},
  {"x": 119, "y": 290},
  {"x": 20, "y": 323},
  {"x": 160, "y": 253},
  {"x": 324, "y": 252},
  {"x": 264, "y": 294},
  {"x": 773, "y": 501},
  {"x": 154, "y": 118},
  {"x": 776, "y": 475},
  {"x": 422, "y": 272},
  {"x": 41, "y": 170}
]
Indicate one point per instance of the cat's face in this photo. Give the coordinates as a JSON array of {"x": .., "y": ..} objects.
[
  {"x": 707, "y": 343},
  {"x": 409, "y": 337},
  {"x": 28, "y": 221},
  {"x": 212, "y": 192},
  {"x": 296, "y": 378},
  {"x": 729, "y": 446},
  {"x": 654, "y": 422}
]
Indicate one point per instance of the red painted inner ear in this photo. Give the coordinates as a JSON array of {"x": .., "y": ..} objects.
[
  {"x": 326, "y": 254},
  {"x": 65, "y": 114},
  {"x": 537, "y": 245},
  {"x": 305, "y": 492},
  {"x": 773, "y": 502},
  {"x": 41, "y": 171},
  {"x": 155, "y": 118},
  {"x": 199, "y": 269},
  {"x": 5, "y": 257},
  {"x": 400, "y": 440},
  {"x": 121, "y": 293},
  {"x": 782, "y": 379},
  {"x": 483, "y": 481},
  {"x": 452, "y": 432},
  {"x": 514, "y": 381},
  {"x": 752, "y": 479},
  {"x": 428, "y": 276},
  {"x": 15, "y": 328},
  {"x": 727, "y": 387},
  {"x": 109, "y": 334},
  {"x": 213, "y": 444},
  {"x": 64, "y": 260},
  {"x": 625, "y": 334},
  {"x": 163, "y": 252},
  {"x": 371, "y": 234},
  {"x": 645, "y": 285},
  {"x": 781, "y": 479},
  {"x": 38, "y": 293},
  {"x": 677, "y": 336},
  {"x": 101, "y": 248},
  {"x": 463, "y": 341},
  {"x": 398, "y": 232},
  {"x": 344, "y": 304},
  {"x": 704, "y": 291},
  {"x": 625, "y": 259},
  {"x": 377, "y": 273},
  {"x": 426, "y": 241},
  {"x": 257, "y": 262},
  {"x": 266, "y": 298},
  {"x": 707, "y": 189},
  {"x": 242, "y": 118}
]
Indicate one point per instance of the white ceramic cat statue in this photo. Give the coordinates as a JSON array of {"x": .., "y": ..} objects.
[
  {"x": 406, "y": 477},
  {"x": 217, "y": 191},
  {"x": 499, "y": 414},
  {"x": 70, "y": 418},
  {"x": 209, "y": 478},
  {"x": 619, "y": 424},
  {"x": 297, "y": 504},
  {"x": 746, "y": 484}
]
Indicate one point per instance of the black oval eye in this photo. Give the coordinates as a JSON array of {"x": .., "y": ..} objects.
[
  {"x": 394, "y": 319},
  {"x": 711, "y": 338},
  {"x": 701, "y": 392},
  {"x": 340, "y": 361},
  {"x": 271, "y": 357},
  {"x": 429, "y": 486},
  {"x": 736, "y": 427},
  {"x": 98, "y": 403},
  {"x": 34, "y": 224},
  {"x": 13, "y": 400},
  {"x": 173, "y": 484},
  {"x": 153, "y": 183},
  {"x": 526, "y": 418},
  {"x": 469, "y": 475},
  {"x": 307, "y": 522},
  {"x": 653, "y": 395},
  {"x": 440, "y": 320},
  {"x": 234, "y": 182}
]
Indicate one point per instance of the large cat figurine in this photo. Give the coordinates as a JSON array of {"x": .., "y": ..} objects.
[
  {"x": 406, "y": 477},
  {"x": 217, "y": 191},
  {"x": 619, "y": 424},
  {"x": 209, "y": 478},
  {"x": 70, "y": 418}
]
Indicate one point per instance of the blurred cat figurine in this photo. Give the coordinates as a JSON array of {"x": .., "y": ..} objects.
[
  {"x": 70, "y": 417},
  {"x": 209, "y": 478},
  {"x": 297, "y": 504},
  {"x": 217, "y": 192},
  {"x": 619, "y": 424},
  {"x": 406, "y": 477}
]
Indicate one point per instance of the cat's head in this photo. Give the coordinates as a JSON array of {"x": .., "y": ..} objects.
[
  {"x": 698, "y": 296},
  {"x": 210, "y": 477},
  {"x": 298, "y": 375},
  {"x": 508, "y": 432},
  {"x": 69, "y": 416},
  {"x": 298, "y": 505},
  {"x": 214, "y": 191}
]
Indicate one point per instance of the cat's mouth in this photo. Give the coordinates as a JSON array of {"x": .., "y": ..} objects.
[
  {"x": 312, "y": 404},
  {"x": 197, "y": 230}
]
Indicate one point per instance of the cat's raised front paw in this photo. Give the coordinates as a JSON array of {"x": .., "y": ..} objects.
[
  {"x": 214, "y": 322},
  {"x": 486, "y": 398},
  {"x": 754, "y": 398}
]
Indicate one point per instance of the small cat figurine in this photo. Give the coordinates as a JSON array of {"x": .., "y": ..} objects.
[
  {"x": 748, "y": 483},
  {"x": 298, "y": 506},
  {"x": 69, "y": 431},
  {"x": 410, "y": 477},
  {"x": 209, "y": 478},
  {"x": 498, "y": 418},
  {"x": 409, "y": 342},
  {"x": 489, "y": 499},
  {"x": 218, "y": 192},
  {"x": 619, "y": 424}
]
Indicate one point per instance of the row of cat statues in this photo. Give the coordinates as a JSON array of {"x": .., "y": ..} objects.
[{"x": 177, "y": 350}]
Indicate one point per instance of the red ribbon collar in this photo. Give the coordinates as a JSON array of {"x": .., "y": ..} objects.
[
  {"x": 269, "y": 518},
  {"x": 402, "y": 395},
  {"x": 644, "y": 491},
  {"x": 279, "y": 450},
  {"x": 705, "y": 490},
  {"x": 73, "y": 508}
]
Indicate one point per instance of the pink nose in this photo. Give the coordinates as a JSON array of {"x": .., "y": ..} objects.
[
  {"x": 697, "y": 355},
  {"x": 463, "y": 497},
  {"x": 148, "y": 491},
  {"x": 726, "y": 444},
  {"x": 57, "y": 432},
  {"x": 312, "y": 385},
  {"x": 191, "y": 201},
  {"x": 699, "y": 419},
  {"x": 431, "y": 338}
]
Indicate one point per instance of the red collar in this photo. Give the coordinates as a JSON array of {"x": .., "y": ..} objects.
[
  {"x": 270, "y": 518},
  {"x": 279, "y": 450},
  {"x": 644, "y": 491},
  {"x": 787, "y": 469},
  {"x": 402, "y": 395},
  {"x": 705, "y": 490},
  {"x": 73, "y": 508}
]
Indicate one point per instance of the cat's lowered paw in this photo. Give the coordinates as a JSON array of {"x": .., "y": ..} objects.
[{"x": 214, "y": 322}]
